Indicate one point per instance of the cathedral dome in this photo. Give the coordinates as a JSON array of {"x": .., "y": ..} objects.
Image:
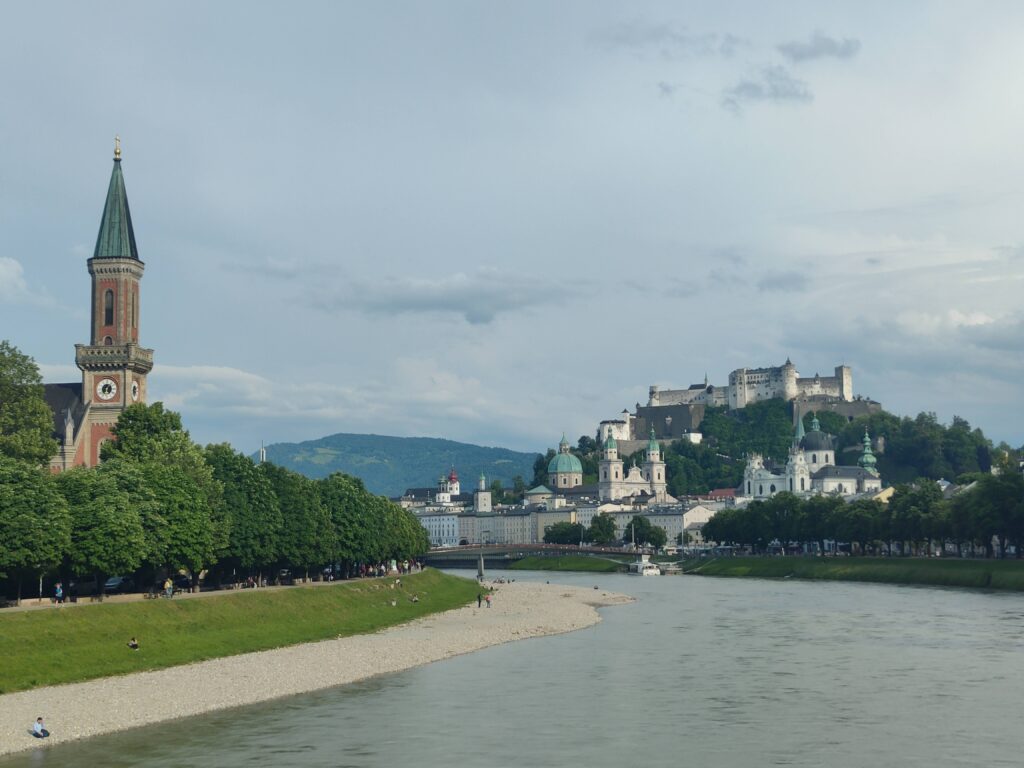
[
  {"x": 816, "y": 440},
  {"x": 564, "y": 462}
]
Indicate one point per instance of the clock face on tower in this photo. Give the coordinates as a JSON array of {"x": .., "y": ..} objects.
[
  {"x": 106, "y": 389},
  {"x": 135, "y": 390}
]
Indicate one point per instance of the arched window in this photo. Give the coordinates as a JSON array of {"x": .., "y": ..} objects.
[
  {"x": 107, "y": 341},
  {"x": 659, "y": 476},
  {"x": 604, "y": 474},
  {"x": 108, "y": 307},
  {"x": 814, "y": 458},
  {"x": 748, "y": 488},
  {"x": 616, "y": 474},
  {"x": 802, "y": 484},
  {"x": 771, "y": 489},
  {"x": 760, "y": 490},
  {"x": 791, "y": 483}
]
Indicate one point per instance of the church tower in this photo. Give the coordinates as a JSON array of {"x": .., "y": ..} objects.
[
  {"x": 113, "y": 365},
  {"x": 654, "y": 469},
  {"x": 610, "y": 472}
]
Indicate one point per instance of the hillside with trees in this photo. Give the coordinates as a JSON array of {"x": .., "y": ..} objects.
[{"x": 390, "y": 465}]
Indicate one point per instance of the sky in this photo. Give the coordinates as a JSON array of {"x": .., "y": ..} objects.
[{"x": 499, "y": 222}]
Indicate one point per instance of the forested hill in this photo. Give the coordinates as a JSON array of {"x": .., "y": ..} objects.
[{"x": 389, "y": 465}]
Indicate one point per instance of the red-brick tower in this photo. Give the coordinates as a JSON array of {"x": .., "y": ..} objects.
[{"x": 113, "y": 365}]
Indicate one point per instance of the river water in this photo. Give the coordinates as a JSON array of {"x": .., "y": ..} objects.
[{"x": 698, "y": 672}]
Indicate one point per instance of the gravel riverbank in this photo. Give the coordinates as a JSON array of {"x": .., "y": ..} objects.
[{"x": 519, "y": 610}]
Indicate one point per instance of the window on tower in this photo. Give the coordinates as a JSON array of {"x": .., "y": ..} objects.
[{"x": 108, "y": 308}]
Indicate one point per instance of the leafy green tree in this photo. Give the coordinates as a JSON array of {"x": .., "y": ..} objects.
[
  {"x": 35, "y": 528},
  {"x": 307, "y": 534},
  {"x": 564, "y": 533},
  {"x": 168, "y": 477},
  {"x": 251, "y": 508},
  {"x": 106, "y": 530},
  {"x": 641, "y": 531},
  {"x": 26, "y": 423},
  {"x": 602, "y": 530}
]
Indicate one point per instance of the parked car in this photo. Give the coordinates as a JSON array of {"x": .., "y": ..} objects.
[{"x": 118, "y": 584}]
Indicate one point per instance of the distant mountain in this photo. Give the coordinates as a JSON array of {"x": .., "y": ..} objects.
[{"x": 389, "y": 465}]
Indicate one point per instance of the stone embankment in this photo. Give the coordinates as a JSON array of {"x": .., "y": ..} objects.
[{"x": 519, "y": 610}]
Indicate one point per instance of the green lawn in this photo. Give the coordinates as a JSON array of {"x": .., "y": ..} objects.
[
  {"x": 74, "y": 643},
  {"x": 947, "y": 572},
  {"x": 568, "y": 563}
]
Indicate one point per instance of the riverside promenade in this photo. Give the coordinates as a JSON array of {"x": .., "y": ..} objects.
[{"x": 518, "y": 611}]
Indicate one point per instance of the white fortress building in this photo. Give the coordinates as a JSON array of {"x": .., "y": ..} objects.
[{"x": 750, "y": 385}]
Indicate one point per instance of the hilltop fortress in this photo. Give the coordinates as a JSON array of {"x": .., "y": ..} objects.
[
  {"x": 749, "y": 385},
  {"x": 676, "y": 414}
]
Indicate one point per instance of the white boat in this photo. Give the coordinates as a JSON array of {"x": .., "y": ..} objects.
[{"x": 644, "y": 567}]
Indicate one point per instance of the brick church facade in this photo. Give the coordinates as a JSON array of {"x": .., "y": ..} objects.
[{"x": 114, "y": 366}]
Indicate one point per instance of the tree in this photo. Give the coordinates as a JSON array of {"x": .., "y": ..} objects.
[
  {"x": 602, "y": 529},
  {"x": 251, "y": 508},
  {"x": 26, "y": 423},
  {"x": 564, "y": 533},
  {"x": 35, "y": 528},
  {"x": 106, "y": 530},
  {"x": 167, "y": 475},
  {"x": 642, "y": 532},
  {"x": 307, "y": 535}
]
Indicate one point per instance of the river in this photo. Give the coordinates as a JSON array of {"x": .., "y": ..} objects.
[{"x": 698, "y": 672}]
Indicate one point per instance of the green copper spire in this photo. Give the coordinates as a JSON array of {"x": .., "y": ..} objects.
[
  {"x": 116, "y": 239},
  {"x": 867, "y": 459},
  {"x": 652, "y": 444},
  {"x": 610, "y": 443},
  {"x": 815, "y": 424},
  {"x": 799, "y": 435}
]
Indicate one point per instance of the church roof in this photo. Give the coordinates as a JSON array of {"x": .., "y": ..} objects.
[
  {"x": 61, "y": 398},
  {"x": 116, "y": 239}
]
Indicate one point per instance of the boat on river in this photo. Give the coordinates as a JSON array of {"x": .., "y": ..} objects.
[{"x": 644, "y": 567}]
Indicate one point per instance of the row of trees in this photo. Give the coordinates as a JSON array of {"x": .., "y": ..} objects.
[
  {"x": 160, "y": 503},
  {"x": 601, "y": 531},
  {"x": 916, "y": 520}
]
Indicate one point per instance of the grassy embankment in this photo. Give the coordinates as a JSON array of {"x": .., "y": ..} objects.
[
  {"x": 76, "y": 643},
  {"x": 568, "y": 563},
  {"x": 944, "y": 572}
]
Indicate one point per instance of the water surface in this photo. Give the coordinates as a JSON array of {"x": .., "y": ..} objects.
[{"x": 699, "y": 671}]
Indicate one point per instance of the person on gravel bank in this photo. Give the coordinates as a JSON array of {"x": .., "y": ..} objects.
[{"x": 38, "y": 731}]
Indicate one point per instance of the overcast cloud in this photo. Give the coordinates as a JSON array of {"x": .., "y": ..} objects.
[{"x": 496, "y": 223}]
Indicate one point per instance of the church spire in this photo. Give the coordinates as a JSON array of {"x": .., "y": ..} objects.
[{"x": 116, "y": 239}]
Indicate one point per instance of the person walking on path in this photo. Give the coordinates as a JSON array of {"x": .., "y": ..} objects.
[
  {"x": 58, "y": 593},
  {"x": 479, "y": 599},
  {"x": 38, "y": 731},
  {"x": 169, "y": 587},
  {"x": 487, "y": 598}
]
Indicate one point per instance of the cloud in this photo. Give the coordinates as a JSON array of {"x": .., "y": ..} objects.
[
  {"x": 820, "y": 46},
  {"x": 478, "y": 297},
  {"x": 667, "y": 41},
  {"x": 13, "y": 286},
  {"x": 775, "y": 84},
  {"x": 783, "y": 282}
]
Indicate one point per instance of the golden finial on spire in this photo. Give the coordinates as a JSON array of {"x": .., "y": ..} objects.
[{"x": 117, "y": 147}]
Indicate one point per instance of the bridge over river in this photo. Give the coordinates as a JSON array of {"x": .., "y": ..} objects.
[{"x": 502, "y": 555}]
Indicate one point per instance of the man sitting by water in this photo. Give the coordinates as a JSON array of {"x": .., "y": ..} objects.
[{"x": 38, "y": 731}]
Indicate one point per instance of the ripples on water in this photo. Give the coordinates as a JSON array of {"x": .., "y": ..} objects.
[{"x": 702, "y": 672}]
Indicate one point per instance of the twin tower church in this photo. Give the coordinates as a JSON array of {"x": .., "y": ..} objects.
[{"x": 113, "y": 364}]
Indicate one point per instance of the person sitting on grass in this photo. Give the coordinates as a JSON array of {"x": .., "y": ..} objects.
[
  {"x": 38, "y": 731},
  {"x": 133, "y": 644}
]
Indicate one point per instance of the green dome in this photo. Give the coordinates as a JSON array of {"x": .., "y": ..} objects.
[{"x": 564, "y": 462}]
